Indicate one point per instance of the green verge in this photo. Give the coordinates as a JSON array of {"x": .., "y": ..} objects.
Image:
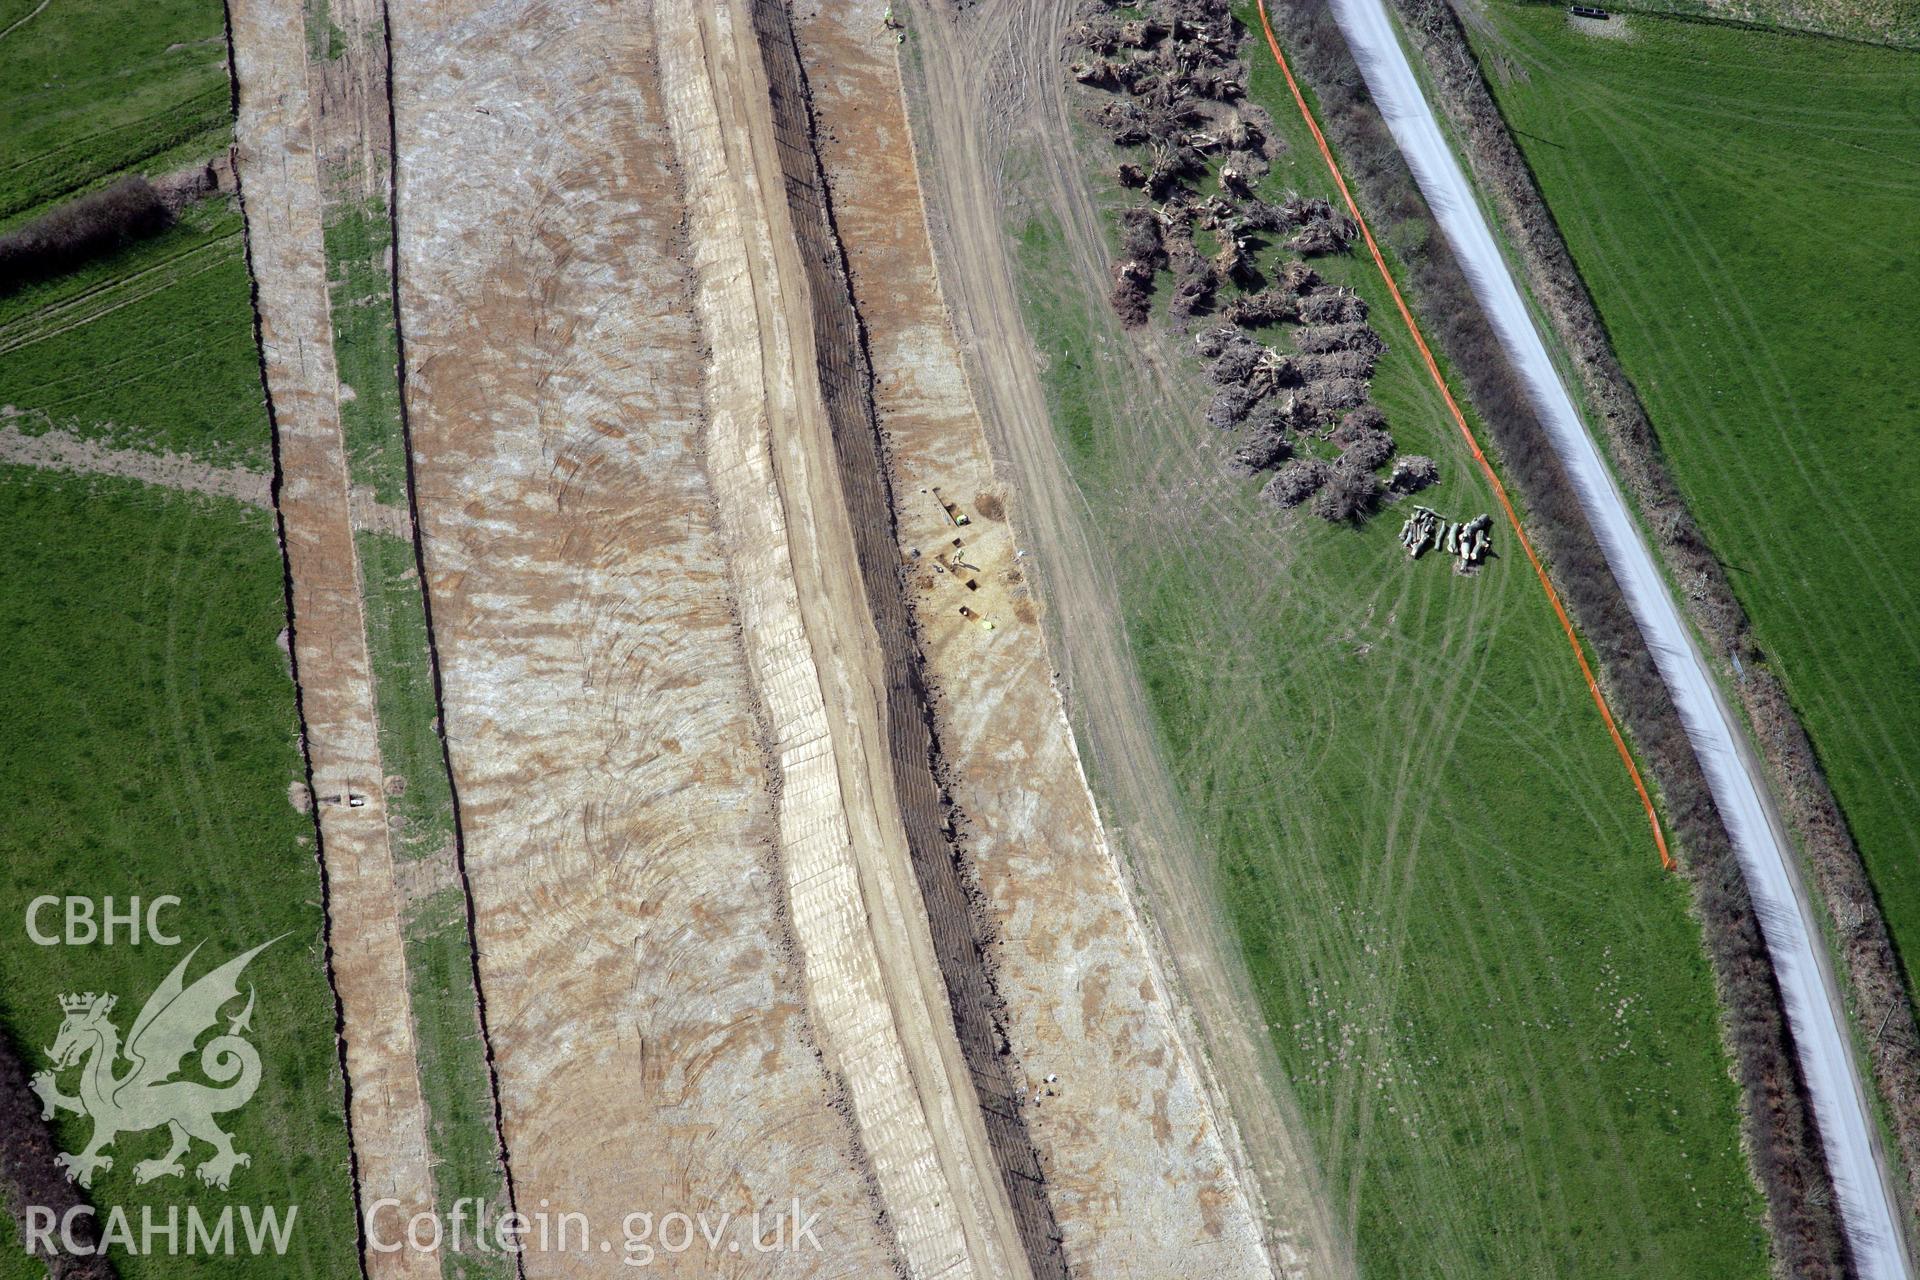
[
  {"x": 366, "y": 350},
  {"x": 150, "y": 744},
  {"x": 96, "y": 89},
  {"x": 451, "y": 1054},
  {"x": 1740, "y": 203},
  {"x": 1494, "y": 1007}
]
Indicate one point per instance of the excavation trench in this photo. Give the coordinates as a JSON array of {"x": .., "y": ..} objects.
[
  {"x": 845, "y": 380},
  {"x": 617, "y": 810},
  {"x": 276, "y": 159}
]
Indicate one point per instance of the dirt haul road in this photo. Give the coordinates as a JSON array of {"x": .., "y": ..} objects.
[
  {"x": 280, "y": 194},
  {"x": 623, "y": 802},
  {"x": 988, "y": 83},
  {"x": 1135, "y": 1159}
]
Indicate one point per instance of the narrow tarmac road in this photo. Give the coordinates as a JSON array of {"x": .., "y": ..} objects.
[{"x": 1807, "y": 981}]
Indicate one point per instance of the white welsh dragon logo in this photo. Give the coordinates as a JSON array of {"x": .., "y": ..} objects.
[{"x": 146, "y": 1095}]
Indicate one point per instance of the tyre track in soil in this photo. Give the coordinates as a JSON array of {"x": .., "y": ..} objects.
[
  {"x": 280, "y": 198},
  {"x": 1136, "y": 1168},
  {"x": 618, "y": 802},
  {"x": 974, "y": 74},
  {"x": 1811, "y": 994},
  {"x": 59, "y": 450}
]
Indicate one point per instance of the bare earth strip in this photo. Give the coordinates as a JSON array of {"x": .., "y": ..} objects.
[
  {"x": 1134, "y": 1155},
  {"x": 58, "y": 450},
  {"x": 766, "y": 436},
  {"x": 650, "y": 1033},
  {"x": 281, "y": 199},
  {"x": 979, "y": 72},
  {"x": 950, "y": 898}
]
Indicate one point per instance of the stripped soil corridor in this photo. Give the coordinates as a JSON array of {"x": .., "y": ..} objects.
[
  {"x": 418, "y": 546},
  {"x": 814, "y": 662},
  {"x": 846, "y": 382},
  {"x": 619, "y": 802},
  {"x": 281, "y": 200}
]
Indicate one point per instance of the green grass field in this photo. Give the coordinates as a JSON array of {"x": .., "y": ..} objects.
[
  {"x": 150, "y": 742},
  {"x": 95, "y": 90},
  {"x": 148, "y": 728},
  {"x": 1494, "y": 1007},
  {"x": 128, "y": 349},
  {"x": 1742, "y": 205}
]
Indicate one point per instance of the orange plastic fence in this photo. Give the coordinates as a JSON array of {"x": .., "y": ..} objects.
[{"x": 1500, "y": 490}]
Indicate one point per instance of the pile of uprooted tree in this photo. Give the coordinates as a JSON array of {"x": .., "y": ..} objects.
[{"x": 1179, "y": 90}]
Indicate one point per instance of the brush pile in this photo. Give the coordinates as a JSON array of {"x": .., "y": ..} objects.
[
  {"x": 1290, "y": 356},
  {"x": 79, "y": 231}
]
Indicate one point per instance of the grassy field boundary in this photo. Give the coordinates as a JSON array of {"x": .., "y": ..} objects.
[{"x": 1876, "y": 988}]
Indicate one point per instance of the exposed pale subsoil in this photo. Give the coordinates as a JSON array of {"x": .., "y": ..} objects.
[
  {"x": 845, "y": 379},
  {"x": 281, "y": 198},
  {"x": 1136, "y": 1169},
  {"x": 622, "y": 820},
  {"x": 856, "y": 911},
  {"x": 975, "y": 77}
]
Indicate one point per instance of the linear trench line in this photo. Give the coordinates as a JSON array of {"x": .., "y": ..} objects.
[{"x": 1499, "y": 490}]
